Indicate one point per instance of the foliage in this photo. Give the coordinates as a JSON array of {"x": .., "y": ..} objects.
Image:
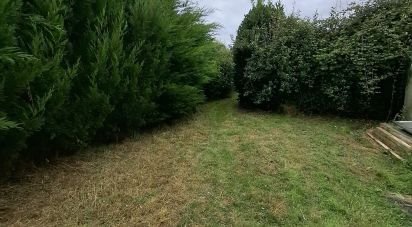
[
  {"x": 73, "y": 72},
  {"x": 369, "y": 60},
  {"x": 178, "y": 100},
  {"x": 41, "y": 33},
  {"x": 18, "y": 105},
  {"x": 252, "y": 33},
  {"x": 352, "y": 63},
  {"x": 221, "y": 85}
]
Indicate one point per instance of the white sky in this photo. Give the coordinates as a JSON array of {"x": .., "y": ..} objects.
[{"x": 230, "y": 13}]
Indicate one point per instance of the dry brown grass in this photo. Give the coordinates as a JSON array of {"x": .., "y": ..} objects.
[{"x": 141, "y": 182}]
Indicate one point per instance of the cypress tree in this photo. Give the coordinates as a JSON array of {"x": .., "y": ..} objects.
[{"x": 74, "y": 72}]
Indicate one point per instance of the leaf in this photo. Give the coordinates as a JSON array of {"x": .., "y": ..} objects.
[{"x": 7, "y": 125}]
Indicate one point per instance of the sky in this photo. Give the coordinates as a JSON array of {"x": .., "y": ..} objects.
[{"x": 230, "y": 13}]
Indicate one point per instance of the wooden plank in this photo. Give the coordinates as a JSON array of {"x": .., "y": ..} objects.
[
  {"x": 396, "y": 139},
  {"x": 403, "y": 200},
  {"x": 396, "y": 131},
  {"x": 386, "y": 147},
  {"x": 390, "y": 141}
]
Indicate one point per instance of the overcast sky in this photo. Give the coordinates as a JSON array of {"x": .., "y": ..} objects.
[{"x": 229, "y": 13}]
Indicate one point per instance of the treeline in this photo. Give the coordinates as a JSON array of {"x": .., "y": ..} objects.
[
  {"x": 353, "y": 63},
  {"x": 74, "y": 72}
]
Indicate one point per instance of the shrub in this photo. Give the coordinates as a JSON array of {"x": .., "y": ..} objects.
[
  {"x": 221, "y": 85},
  {"x": 41, "y": 33},
  {"x": 178, "y": 100},
  {"x": 353, "y": 63},
  {"x": 368, "y": 61},
  {"x": 21, "y": 112},
  {"x": 73, "y": 72},
  {"x": 252, "y": 33}
]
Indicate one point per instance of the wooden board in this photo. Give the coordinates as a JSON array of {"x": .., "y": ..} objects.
[
  {"x": 398, "y": 132},
  {"x": 394, "y": 154}
]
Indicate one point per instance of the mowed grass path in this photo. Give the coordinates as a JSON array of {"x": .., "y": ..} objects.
[{"x": 223, "y": 167}]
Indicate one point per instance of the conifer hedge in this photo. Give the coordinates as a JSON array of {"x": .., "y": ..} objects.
[
  {"x": 73, "y": 72},
  {"x": 353, "y": 63}
]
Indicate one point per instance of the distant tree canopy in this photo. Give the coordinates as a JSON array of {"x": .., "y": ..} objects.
[
  {"x": 353, "y": 63},
  {"x": 74, "y": 72}
]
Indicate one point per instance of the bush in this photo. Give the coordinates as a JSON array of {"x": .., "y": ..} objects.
[
  {"x": 41, "y": 33},
  {"x": 353, "y": 63},
  {"x": 76, "y": 72},
  {"x": 177, "y": 101},
  {"x": 22, "y": 112},
  {"x": 369, "y": 60},
  {"x": 252, "y": 33},
  {"x": 221, "y": 85}
]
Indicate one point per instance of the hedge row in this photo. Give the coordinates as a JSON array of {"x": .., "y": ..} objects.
[
  {"x": 74, "y": 72},
  {"x": 353, "y": 63},
  {"x": 221, "y": 86}
]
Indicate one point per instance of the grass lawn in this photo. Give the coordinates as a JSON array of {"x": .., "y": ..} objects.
[{"x": 223, "y": 167}]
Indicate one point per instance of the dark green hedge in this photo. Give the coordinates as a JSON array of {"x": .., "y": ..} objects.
[
  {"x": 354, "y": 63},
  {"x": 74, "y": 72},
  {"x": 221, "y": 86}
]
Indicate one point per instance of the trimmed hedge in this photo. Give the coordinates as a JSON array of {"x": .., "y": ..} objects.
[
  {"x": 221, "y": 86},
  {"x": 354, "y": 63},
  {"x": 73, "y": 72}
]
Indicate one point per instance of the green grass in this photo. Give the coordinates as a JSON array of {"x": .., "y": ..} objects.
[
  {"x": 223, "y": 167},
  {"x": 269, "y": 169}
]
